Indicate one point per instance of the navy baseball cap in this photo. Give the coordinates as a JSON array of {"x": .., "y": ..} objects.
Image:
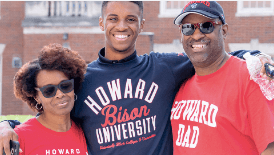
[{"x": 210, "y": 9}]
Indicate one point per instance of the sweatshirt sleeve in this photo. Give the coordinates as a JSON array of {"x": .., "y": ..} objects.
[
  {"x": 180, "y": 66},
  {"x": 240, "y": 53},
  {"x": 13, "y": 123}
]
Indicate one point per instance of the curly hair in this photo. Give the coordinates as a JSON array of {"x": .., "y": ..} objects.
[{"x": 51, "y": 57}]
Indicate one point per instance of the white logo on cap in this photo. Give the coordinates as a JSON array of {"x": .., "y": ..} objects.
[{"x": 193, "y": 5}]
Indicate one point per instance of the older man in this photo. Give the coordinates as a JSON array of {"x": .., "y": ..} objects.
[{"x": 217, "y": 111}]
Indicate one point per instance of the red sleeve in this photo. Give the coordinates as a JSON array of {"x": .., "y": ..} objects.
[
  {"x": 260, "y": 117},
  {"x": 271, "y": 105},
  {"x": 20, "y": 140}
]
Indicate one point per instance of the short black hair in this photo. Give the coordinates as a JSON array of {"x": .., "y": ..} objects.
[{"x": 139, "y": 3}]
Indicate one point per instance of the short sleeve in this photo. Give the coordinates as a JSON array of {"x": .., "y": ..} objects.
[
  {"x": 260, "y": 117},
  {"x": 20, "y": 140}
]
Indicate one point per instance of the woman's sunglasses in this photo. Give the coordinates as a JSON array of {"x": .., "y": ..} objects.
[
  {"x": 207, "y": 27},
  {"x": 49, "y": 91}
]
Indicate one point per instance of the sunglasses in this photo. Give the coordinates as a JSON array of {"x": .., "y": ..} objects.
[
  {"x": 49, "y": 91},
  {"x": 207, "y": 27}
]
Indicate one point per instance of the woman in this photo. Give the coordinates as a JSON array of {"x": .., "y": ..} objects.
[{"x": 47, "y": 85}]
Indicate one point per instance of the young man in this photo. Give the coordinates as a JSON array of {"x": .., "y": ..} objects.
[
  {"x": 218, "y": 110},
  {"x": 125, "y": 102}
]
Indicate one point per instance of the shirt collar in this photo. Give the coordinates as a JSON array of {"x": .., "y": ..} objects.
[{"x": 102, "y": 58}]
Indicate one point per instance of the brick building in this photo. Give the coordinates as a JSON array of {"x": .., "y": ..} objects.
[{"x": 25, "y": 27}]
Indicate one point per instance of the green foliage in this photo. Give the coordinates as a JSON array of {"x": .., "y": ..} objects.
[{"x": 21, "y": 118}]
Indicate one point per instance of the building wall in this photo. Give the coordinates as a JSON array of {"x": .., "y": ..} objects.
[
  {"x": 164, "y": 29},
  {"x": 88, "y": 45},
  {"x": 27, "y": 45},
  {"x": 243, "y": 29},
  {"x": 12, "y": 14}
]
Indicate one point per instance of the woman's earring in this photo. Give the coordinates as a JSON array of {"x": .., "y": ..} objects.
[
  {"x": 38, "y": 108},
  {"x": 75, "y": 97}
]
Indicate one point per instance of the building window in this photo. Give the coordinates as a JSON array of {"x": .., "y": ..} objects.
[
  {"x": 16, "y": 62},
  {"x": 255, "y": 8},
  {"x": 171, "y": 9},
  {"x": 62, "y": 8}
]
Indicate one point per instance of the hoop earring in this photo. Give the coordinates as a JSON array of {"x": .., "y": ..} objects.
[
  {"x": 75, "y": 97},
  {"x": 39, "y": 105}
]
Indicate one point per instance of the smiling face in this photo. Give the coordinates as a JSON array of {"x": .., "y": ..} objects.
[
  {"x": 122, "y": 24},
  {"x": 203, "y": 49},
  {"x": 61, "y": 103}
]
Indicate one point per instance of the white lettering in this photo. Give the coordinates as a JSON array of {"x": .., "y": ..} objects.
[
  {"x": 192, "y": 111},
  {"x": 106, "y": 134},
  {"x": 203, "y": 112},
  {"x": 189, "y": 109},
  {"x": 140, "y": 89},
  {"x": 118, "y": 132},
  {"x": 153, "y": 120},
  {"x": 174, "y": 109},
  {"x": 180, "y": 134},
  {"x": 77, "y": 151},
  {"x": 213, "y": 108},
  {"x": 106, "y": 101},
  {"x": 99, "y": 136},
  {"x": 194, "y": 139},
  {"x": 114, "y": 89},
  {"x": 131, "y": 129},
  {"x": 148, "y": 124},
  {"x": 153, "y": 87},
  {"x": 61, "y": 151},
  {"x": 91, "y": 106},
  {"x": 186, "y": 138},
  {"x": 128, "y": 89},
  {"x": 124, "y": 131},
  {"x": 144, "y": 124},
  {"x": 179, "y": 109},
  {"x": 112, "y": 132},
  {"x": 196, "y": 112},
  {"x": 183, "y": 140},
  {"x": 53, "y": 151},
  {"x": 139, "y": 129}
]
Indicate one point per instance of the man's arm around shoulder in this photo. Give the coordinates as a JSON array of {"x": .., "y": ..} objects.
[{"x": 6, "y": 134}]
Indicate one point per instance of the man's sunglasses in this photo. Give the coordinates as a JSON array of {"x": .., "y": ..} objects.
[
  {"x": 49, "y": 91},
  {"x": 207, "y": 27}
]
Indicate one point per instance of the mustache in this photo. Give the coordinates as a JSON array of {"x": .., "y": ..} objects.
[{"x": 191, "y": 41}]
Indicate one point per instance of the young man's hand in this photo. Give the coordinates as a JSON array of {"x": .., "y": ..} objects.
[{"x": 6, "y": 134}]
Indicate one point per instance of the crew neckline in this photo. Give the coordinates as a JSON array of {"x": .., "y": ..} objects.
[
  {"x": 52, "y": 131},
  {"x": 201, "y": 79},
  {"x": 102, "y": 58}
]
